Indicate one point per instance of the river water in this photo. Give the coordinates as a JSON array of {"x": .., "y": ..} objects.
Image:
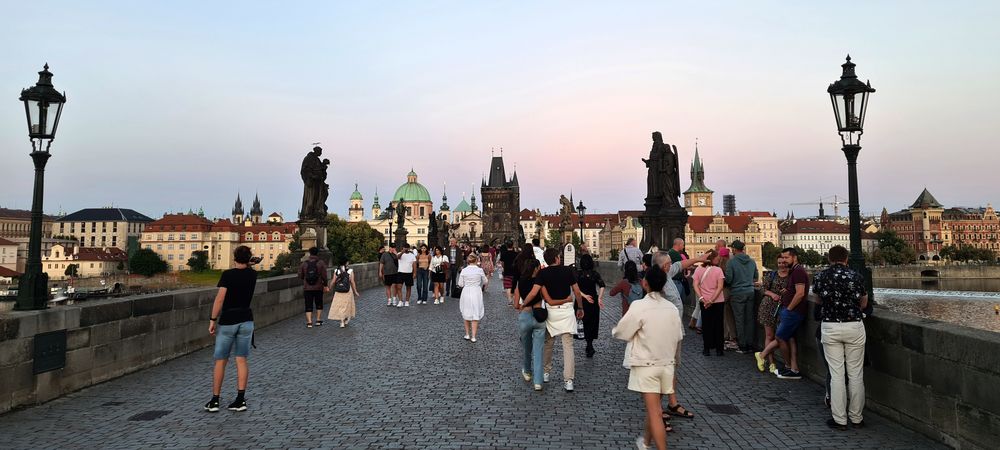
[{"x": 969, "y": 302}]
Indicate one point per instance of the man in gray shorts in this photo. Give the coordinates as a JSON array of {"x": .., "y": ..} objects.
[{"x": 388, "y": 270}]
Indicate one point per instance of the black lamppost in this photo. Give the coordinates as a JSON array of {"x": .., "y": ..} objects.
[
  {"x": 582, "y": 211},
  {"x": 849, "y": 96},
  {"x": 42, "y": 105},
  {"x": 390, "y": 213}
]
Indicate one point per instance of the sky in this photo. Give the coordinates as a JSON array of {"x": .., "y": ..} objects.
[{"x": 181, "y": 105}]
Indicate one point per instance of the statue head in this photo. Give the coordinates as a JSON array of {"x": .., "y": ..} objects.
[
  {"x": 318, "y": 150},
  {"x": 657, "y": 137}
]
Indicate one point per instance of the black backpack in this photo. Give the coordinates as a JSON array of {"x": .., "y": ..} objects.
[
  {"x": 312, "y": 272},
  {"x": 343, "y": 282}
]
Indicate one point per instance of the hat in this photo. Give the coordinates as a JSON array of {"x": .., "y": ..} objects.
[
  {"x": 738, "y": 245},
  {"x": 724, "y": 252}
]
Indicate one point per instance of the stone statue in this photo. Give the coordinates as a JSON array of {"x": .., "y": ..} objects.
[
  {"x": 565, "y": 212},
  {"x": 432, "y": 231},
  {"x": 663, "y": 178},
  {"x": 400, "y": 214},
  {"x": 315, "y": 190}
]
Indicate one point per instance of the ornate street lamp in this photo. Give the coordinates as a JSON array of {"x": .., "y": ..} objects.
[
  {"x": 390, "y": 214},
  {"x": 582, "y": 211},
  {"x": 43, "y": 106},
  {"x": 849, "y": 96}
]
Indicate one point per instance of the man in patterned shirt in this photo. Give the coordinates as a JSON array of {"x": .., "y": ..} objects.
[{"x": 842, "y": 296}]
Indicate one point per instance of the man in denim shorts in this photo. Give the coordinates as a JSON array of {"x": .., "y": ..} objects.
[
  {"x": 232, "y": 325},
  {"x": 793, "y": 313}
]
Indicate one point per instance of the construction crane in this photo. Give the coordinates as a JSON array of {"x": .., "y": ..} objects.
[{"x": 827, "y": 200}]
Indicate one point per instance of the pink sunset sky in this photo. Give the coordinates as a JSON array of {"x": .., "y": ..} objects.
[{"x": 183, "y": 104}]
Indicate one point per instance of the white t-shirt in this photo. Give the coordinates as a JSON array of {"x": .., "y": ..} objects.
[{"x": 406, "y": 261}]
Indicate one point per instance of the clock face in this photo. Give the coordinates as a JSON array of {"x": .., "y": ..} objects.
[{"x": 701, "y": 201}]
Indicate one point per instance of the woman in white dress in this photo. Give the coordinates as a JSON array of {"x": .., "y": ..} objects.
[{"x": 473, "y": 282}]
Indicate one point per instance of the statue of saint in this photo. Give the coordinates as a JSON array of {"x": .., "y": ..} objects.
[
  {"x": 663, "y": 179},
  {"x": 400, "y": 213},
  {"x": 313, "y": 174}
]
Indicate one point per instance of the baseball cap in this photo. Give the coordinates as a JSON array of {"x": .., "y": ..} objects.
[{"x": 738, "y": 245}]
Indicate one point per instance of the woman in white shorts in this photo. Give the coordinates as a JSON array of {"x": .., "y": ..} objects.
[{"x": 652, "y": 329}]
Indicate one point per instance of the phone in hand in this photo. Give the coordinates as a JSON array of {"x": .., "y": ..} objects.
[{"x": 255, "y": 260}]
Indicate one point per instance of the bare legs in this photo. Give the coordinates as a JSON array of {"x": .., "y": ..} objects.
[
  {"x": 309, "y": 317},
  {"x": 768, "y": 337},
  {"x": 474, "y": 325},
  {"x": 656, "y": 433},
  {"x": 219, "y": 373}
]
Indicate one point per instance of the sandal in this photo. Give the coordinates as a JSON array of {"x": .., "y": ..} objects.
[
  {"x": 309, "y": 325},
  {"x": 680, "y": 411},
  {"x": 666, "y": 424}
]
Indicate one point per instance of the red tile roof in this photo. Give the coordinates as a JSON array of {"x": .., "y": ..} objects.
[
  {"x": 7, "y": 273},
  {"x": 527, "y": 214},
  {"x": 6, "y": 242},
  {"x": 101, "y": 254},
  {"x": 737, "y": 224},
  {"x": 756, "y": 214}
]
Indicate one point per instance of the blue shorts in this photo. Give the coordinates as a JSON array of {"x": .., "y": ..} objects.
[
  {"x": 238, "y": 335},
  {"x": 789, "y": 324}
]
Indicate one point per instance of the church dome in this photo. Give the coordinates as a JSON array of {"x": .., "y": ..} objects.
[
  {"x": 356, "y": 195},
  {"x": 411, "y": 191}
]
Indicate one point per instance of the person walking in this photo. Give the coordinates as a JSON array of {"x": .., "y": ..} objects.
[
  {"x": 407, "y": 267},
  {"x": 742, "y": 276},
  {"x": 775, "y": 285},
  {"x": 708, "y": 282},
  {"x": 590, "y": 284},
  {"x": 456, "y": 258},
  {"x": 531, "y": 330},
  {"x": 652, "y": 328},
  {"x": 232, "y": 325},
  {"x": 508, "y": 271},
  {"x": 345, "y": 291},
  {"x": 630, "y": 253},
  {"x": 439, "y": 274},
  {"x": 843, "y": 298},
  {"x": 792, "y": 314},
  {"x": 313, "y": 272},
  {"x": 473, "y": 282},
  {"x": 557, "y": 284},
  {"x": 423, "y": 274},
  {"x": 539, "y": 253},
  {"x": 486, "y": 260},
  {"x": 630, "y": 287},
  {"x": 388, "y": 272}
]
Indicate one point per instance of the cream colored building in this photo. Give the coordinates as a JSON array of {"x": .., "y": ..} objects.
[
  {"x": 16, "y": 223},
  {"x": 8, "y": 254},
  {"x": 91, "y": 262},
  {"x": 101, "y": 227}
]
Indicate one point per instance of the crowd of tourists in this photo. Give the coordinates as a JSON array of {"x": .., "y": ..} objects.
[{"x": 558, "y": 300}]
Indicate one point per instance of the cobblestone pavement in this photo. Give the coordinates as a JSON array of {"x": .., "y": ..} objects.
[{"x": 405, "y": 378}]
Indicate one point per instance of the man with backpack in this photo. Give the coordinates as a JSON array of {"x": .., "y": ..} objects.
[{"x": 312, "y": 272}]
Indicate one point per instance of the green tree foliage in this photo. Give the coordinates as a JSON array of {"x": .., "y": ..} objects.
[
  {"x": 72, "y": 270},
  {"x": 198, "y": 261},
  {"x": 892, "y": 250},
  {"x": 810, "y": 257},
  {"x": 282, "y": 264},
  {"x": 555, "y": 237},
  {"x": 967, "y": 253},
  {"x": 769, "y": 253},
  {"x": 121, "y": 265},
  {"x": 147, "y": 262},
  {"x": 353, "y": 241}
]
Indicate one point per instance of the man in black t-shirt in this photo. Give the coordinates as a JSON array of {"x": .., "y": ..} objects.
[{"x": 232, "y": 325}]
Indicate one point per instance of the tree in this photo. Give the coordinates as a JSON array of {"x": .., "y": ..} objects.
[
  {"x": 810, "y": 257},
  {"x": 121, "y": 265},
  {"x": 554, "y": 238},
  {"x": 353, "y": 241},
  {"x": 198, "y": 261},
  {"x": 72, "y": 270},
  {"x": 967, "y": 253},
  {"x": 147, "y": 262},
  {"x": 769, "y": 253},
  {"x": 892, "y": 249},
  {"x": 282, "y": 264}
]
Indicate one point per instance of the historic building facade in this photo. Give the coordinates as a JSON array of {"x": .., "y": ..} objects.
[
  {"x": 501, "y": 205},
  {"x": 90, "y": 261},
  {"x": 102, "y": 227},
  {"x": 927, "y": 226}
]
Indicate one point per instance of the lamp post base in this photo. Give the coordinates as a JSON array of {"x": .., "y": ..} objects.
[{"x": 32, "y": 291}]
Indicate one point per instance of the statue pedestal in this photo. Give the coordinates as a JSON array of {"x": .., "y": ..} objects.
[
  {"x": 312, "y": 233},
  {"x": 400, "y": 238},
  {"x": 663, "y": 227}
]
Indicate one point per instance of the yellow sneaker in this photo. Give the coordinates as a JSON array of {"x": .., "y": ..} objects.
[
  {"x": 773, "y": 368},
  {"x": 760, "y": 361}
]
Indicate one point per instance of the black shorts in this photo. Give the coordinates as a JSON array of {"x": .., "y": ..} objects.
[
  {"x": 390, "y": 279},
  {"x": 437, "y": 277},
  {"x": 405, "y": 278},
  {"x": 314, "y": 299}
]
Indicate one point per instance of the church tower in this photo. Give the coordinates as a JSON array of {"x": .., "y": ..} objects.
[
  {"x": 256, "y": 212},
  {"x": 445, "y": 209},
  {"x": 698, "y": 197},
  {"x": 501, "y": 204},
  {"x": 356, "y": 212},
  {"x": 376, "y": 208},
  {"x": 238, "y": 210}
]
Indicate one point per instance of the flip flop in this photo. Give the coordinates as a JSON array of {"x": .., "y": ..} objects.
[
  {"x": 680, "y": 411},
  {"x": 667, "y": 426}
]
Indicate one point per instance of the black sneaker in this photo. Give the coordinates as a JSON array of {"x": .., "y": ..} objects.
[
  {"x": 238, "y": 405},
  {"x": 858, "y": 425},
  {"x": 212, "y": 405},
  {"x": 826, "y": 401},
  {"x": 836, "y": 426},
  {"x": 789, "y": 374}
]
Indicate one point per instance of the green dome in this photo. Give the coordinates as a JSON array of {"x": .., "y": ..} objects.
[
  {"x": 356, "y": 195},
  {"x": 463, "y": 206},
  {"x": 412, "y": 192}
]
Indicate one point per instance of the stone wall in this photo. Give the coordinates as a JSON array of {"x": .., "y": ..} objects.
[
  {"x": 937, "y": 271},
  {"x": 110, "y": 338},
  {"x": 937, "y": 378}
]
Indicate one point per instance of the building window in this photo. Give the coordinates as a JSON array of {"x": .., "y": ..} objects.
[
  {"x": 276, "y": 236},
  {"x": 249, "y": 236},
  {"x": 262, "y": 236}
]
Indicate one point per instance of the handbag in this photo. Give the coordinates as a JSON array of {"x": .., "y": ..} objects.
[{"x": 540, "y": 314}]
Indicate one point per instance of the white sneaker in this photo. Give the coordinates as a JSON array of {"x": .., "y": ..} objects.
[
  {"x": 640, "y": 443},
  {"x": 568, "y": 386},
  {"x": 399, "y": 304},
  {"x": 545, "y": 377},
  {"x": 407, "y": 304},
  {"x": 466, "y": 337},
  {"x": 473, "y": 339},
  {"x": 526, "y": 376},
  {"x": 435, "y": 301},
  {"x": 538, "y": 387}
]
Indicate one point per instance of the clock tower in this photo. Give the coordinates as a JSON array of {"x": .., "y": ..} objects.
[{"x": 698, "y": 197}]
